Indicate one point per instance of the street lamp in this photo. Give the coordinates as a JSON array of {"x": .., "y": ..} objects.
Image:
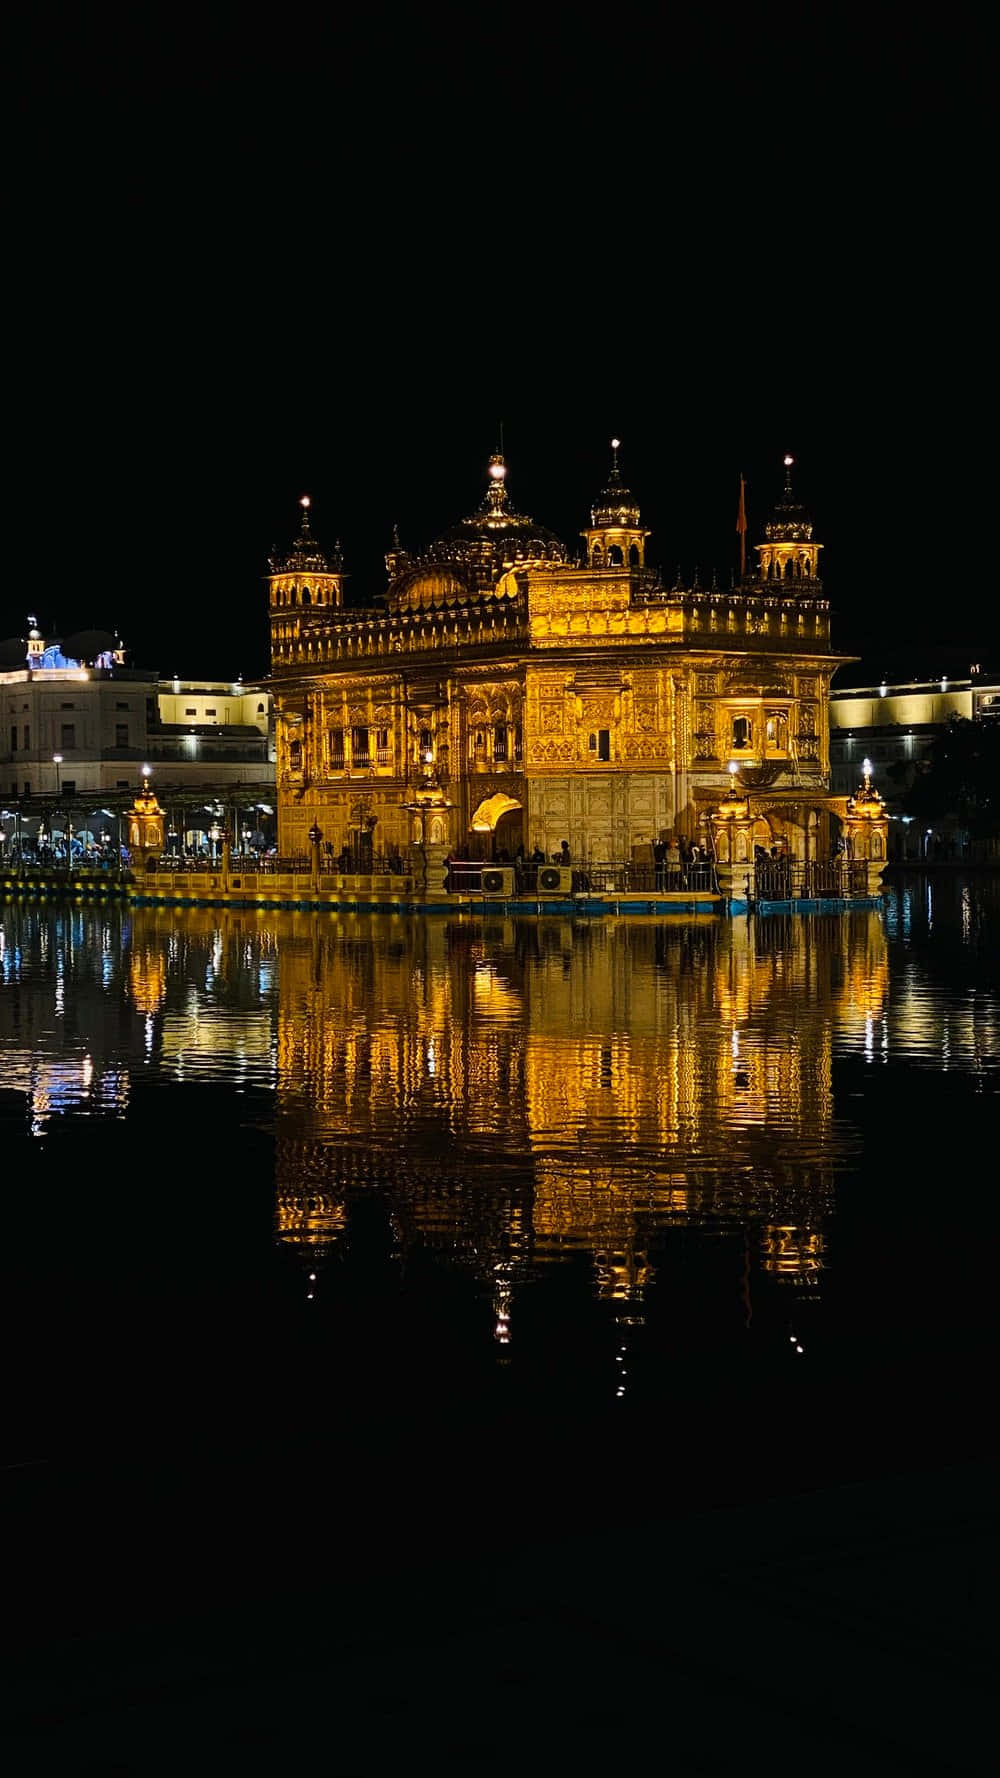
[{"x": 57, "y": 760}]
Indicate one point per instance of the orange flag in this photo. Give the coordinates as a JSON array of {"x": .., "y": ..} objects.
[{"x": 741, "y": 526}]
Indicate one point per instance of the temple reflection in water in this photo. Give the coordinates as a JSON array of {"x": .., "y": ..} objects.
[
  {"x": 524, "y": 1091},
  {"x": 517, "y": 1093}
]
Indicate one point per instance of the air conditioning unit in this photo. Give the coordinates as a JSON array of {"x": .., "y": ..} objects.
[
  {"x": 498, "y": 880},
  {"x": 555, "y": 879}
]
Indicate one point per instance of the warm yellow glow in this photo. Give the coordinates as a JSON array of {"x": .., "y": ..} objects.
[
  {"x": 488, "y": 813},
  {"x": 600, "y": 703},
  {"x": 547, "y": 1049}
]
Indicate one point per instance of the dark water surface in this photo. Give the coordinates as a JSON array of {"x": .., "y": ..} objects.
[{"x": 335, "y": 1244}]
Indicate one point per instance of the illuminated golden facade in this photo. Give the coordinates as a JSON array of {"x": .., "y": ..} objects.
[
  {"x": 649, "y": 1076},
  {"x": 548, "y": 699}
]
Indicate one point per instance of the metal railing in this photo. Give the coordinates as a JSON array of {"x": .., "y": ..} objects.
[
  {"x": 375, "y": 864},
  {"x": 465, "y": 877},
  {"x": 653, "y": 879},
  {"x": 238, "y": 861},
  {"x": 777, "y": 880}
]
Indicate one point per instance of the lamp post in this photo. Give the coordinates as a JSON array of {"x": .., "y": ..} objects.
[{"x": 57, "y": 760}]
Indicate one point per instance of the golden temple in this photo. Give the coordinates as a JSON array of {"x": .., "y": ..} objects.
[{"x": 502, "y": 695}]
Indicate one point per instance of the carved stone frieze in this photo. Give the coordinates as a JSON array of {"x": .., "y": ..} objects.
[{"x": 554, "y": 752}]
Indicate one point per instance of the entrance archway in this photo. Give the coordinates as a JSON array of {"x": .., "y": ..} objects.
[{"x": 496, "y": 827}]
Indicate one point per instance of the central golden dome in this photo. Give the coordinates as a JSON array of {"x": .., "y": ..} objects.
[{"x": 468, "y": 561}]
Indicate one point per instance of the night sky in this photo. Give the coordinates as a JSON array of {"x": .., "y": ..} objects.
[{"x": 334, "y": 256}]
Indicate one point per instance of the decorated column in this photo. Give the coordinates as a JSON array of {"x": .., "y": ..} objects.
[
  {"x": 145, "y": 827},
  {"x": 867, "y": 830},
  {"x": 732, "y": 835}
]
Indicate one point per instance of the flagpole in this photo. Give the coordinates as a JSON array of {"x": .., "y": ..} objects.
[{"x": 741, "y": 526}]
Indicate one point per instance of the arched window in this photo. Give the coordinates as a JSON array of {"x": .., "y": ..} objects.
[
  {"x": 306, "y": 596},
  {"x": 742, "y": 733},
  {"x": 597, "y": 555},
  {"x": 789, "y": 569},
  {"x": 633, "y": 556},
  {"x": 295, "y": 755},
  {"x": 499, "y": 740},
  {"x": 615, "y": 557},
  {"x": 776, "y": 731}
]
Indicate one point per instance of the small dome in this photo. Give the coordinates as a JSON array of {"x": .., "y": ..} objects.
[
  {"x": 305, "y": 555},
  {"x": 468, "y": 560},
  {"x": 615, "y": 504},
  {"x": 86, "y": 645},
  {"x": 508, "y": 535},
  {"x": 789, "y": 523}
]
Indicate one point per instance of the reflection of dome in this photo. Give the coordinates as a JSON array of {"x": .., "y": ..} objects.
[{"x": 469, "y": 558}]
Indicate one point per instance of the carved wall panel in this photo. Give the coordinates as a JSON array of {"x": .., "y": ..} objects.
[{"x": 554, "y": 752}]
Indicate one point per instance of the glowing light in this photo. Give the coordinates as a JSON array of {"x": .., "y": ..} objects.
[
  {"x": 147, "y": 771},
  {"x": 497, "y": 471},
  {"x": 305, "y": 501},
  {"x": 866, "y": 767},
  {"x": 57, "y": 759},
  {"x": 788, "y": 461},
  {"x": 616, "y": 444}
]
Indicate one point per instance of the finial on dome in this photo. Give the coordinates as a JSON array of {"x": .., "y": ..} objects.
[
  {"x": 615, "y": 448},
  {"x": 496, "y": 493},
  {"x": 788, "y": 461}
]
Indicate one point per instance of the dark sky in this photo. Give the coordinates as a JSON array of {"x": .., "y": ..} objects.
[{"x": 334, "y": 255}]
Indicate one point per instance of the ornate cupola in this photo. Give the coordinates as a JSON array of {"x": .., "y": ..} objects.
[
  {"x": 614, "y": 538},
  {"x": 307, "y": 576},
  {"x": 789, "y": 553}
]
